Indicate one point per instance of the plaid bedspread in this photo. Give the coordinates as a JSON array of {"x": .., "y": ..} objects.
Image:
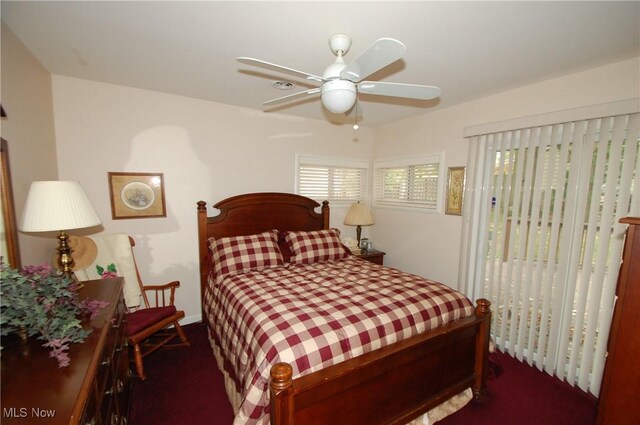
[{"x": 316, "y": 315}]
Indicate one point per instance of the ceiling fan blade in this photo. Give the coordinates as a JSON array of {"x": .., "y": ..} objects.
[
  {"x": 383, "y": 52},
  {"x": 292, "y": 96},
  {"x": 280, "y": 68},
  {"x": 412, "y": 91}
]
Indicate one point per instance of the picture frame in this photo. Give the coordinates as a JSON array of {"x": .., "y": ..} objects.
[
  {"x": 455, "y": 190},
  {"x": 136, "y": 195}
]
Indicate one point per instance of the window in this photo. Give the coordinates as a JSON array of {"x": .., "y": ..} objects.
[
  {"x": 411, "y": 183},
  {"x": 337, "y": 180}
]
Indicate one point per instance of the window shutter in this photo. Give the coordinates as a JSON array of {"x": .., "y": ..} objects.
[
  {"x": 414, "y": 185},
  {"x": 313, "y": 181},
  {"x": 319, "y": 180}
]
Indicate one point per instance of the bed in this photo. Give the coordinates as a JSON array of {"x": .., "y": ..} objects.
[{"x": 390, "y": 383}]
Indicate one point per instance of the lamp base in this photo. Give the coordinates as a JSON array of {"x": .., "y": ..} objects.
[{"x": 65, "y": 259}]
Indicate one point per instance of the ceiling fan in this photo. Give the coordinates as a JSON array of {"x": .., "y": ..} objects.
[{"x": 340, "y": 83}]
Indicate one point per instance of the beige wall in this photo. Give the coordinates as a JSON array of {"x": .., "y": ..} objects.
[
  {"x": 28, "y": 129},
  {"x": 210, "y": 151},
  {"x": 429, "y": 244},
  {"x": 207, "y": 151}
]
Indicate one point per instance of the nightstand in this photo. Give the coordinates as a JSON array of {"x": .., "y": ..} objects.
[{"x": 372, "y": 256}]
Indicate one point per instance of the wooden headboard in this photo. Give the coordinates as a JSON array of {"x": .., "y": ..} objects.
[{"x": 255, "y": 213}]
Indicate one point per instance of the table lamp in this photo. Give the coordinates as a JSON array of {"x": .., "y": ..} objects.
[
  {"x": 58, "y": 206},
  {"x": 358, "y": 215}
]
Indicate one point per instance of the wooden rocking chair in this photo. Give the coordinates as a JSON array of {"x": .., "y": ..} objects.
[{"x": 147, "y": 327}]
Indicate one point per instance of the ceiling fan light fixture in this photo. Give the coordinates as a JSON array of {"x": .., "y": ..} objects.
[
  {"x": 338, "y": 96},
  {"x": 341, "y": 82}
]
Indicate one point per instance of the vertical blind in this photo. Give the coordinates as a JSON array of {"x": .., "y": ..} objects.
[{"x": 544, "y": 243}]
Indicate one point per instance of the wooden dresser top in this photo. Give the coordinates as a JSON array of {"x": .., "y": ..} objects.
[{"x": 35, "y": 389}]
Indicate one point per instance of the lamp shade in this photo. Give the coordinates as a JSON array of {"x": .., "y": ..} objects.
[
  {"x": 338, "y": 96},
  {"x": 57, "y": 206},
  {"x": 359, "y": 215}
]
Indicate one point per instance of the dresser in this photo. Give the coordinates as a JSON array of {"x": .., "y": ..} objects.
[
  {"x": 618, "y": 402},
  {"x": 93, "y": 390}
]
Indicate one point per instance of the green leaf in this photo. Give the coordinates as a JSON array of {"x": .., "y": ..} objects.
[{"x": 41, "y": 303}]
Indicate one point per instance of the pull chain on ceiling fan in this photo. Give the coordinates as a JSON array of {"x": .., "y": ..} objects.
[
  {"x": 341, "y": 83},
  {"x": 355, "y": 124}
]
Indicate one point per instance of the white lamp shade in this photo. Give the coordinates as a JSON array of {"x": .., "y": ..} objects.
[
  {"x": 57, "y": 206},
  {"x": 359, "y": 215},
  {"x": 338, "y": 96}
]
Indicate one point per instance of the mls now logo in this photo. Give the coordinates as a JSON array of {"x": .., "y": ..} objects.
[{"x": 23, "y": 412}]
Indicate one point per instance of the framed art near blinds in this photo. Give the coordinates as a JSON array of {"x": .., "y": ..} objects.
[{"x": 455, "y": 190}]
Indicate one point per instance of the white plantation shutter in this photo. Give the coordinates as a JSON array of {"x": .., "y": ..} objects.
[
  {"x": 543, "y": 241},
  {"x": 410, "y": 183},
  {"x": 334, "y": 180}
]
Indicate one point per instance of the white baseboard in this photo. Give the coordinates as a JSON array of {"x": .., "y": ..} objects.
[{"x": 191, "y": 319}]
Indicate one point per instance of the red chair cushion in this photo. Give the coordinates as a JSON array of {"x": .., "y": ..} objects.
[{"x": 142, "y": 319}]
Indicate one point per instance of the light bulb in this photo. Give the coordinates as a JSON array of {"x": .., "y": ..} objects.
[{"x": 356, "y": 126}]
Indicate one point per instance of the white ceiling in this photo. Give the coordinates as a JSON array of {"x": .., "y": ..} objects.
[{"x": 468, "y": 49}]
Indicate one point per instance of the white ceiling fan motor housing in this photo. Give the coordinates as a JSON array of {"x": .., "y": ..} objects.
[{"x": 339, "y": 43}]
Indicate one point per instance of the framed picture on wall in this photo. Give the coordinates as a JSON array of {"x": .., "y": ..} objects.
[
  {"x": 455, "y": 190},
  {"x": 137, "y": 195}
]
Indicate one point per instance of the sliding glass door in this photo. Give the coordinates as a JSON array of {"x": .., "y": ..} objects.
[{"x": 547, "y": 239}]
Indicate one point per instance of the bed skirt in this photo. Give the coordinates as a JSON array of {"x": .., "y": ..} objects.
[{"x": 438, "y": 413}]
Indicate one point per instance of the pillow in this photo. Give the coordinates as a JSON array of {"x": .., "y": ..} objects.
[
  {"x": 284, "y": 247},
  {"x": 315, "y": 246},
  {"x": 241, "y": 254}
]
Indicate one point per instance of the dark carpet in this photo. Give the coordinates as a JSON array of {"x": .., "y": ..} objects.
[
  {"x": 184, "y": 386},
  {"x": 519, "y": 394}
]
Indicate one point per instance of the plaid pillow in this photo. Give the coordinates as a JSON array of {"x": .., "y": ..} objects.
[
  {"x": 240, "y": 254},
  {"x": 284, "y": 247},
  {"x": 315, "y": 246}
]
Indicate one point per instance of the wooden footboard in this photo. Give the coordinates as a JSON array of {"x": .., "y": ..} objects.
[{"x": 392, "y": 385}]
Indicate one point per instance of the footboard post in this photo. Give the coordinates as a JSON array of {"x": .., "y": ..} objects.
[
  {"x": 281, "y": 394},
  {"x": 483, "y": 311}
]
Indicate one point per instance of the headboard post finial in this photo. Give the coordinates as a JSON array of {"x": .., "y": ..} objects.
[
  {"x": 325, "y": 213},
  {"x": 202, "y": 250}
]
